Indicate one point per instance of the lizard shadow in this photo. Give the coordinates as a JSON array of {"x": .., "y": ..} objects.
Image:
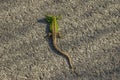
[{"x": 50, "y": 42}]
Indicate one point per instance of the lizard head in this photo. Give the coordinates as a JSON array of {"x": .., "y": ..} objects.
[{"x": 50, "y": 18}]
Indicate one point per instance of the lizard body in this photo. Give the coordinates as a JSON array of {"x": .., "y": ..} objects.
[{"x": 52, "y": 20}]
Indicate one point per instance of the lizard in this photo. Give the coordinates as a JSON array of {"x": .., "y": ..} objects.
[{"x": 54, "y": 33}]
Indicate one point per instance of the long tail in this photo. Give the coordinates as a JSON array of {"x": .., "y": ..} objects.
[
  {"x": 68, "y": 58},
  {"x": 65, "y": 54}
]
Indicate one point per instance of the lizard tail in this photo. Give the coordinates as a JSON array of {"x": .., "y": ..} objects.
[
  {"x": 68, "y": 58},
  {"x": 65, "y": 54}
]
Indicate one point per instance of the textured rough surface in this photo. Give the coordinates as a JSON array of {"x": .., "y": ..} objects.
[{"x": 91, "y": 30}]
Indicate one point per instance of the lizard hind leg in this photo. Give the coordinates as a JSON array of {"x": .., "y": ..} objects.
[
  {"x": 59, "y": 35},
  {"x": 50, "y": 34}
]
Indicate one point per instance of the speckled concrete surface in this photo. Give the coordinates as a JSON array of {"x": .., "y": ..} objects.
[{"x": 91, "y": 30}]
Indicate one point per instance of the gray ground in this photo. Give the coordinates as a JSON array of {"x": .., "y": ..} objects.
[{"x": 91, "y": 30}]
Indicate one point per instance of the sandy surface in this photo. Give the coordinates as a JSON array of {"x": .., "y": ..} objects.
[{"x": 91, "y": 30}]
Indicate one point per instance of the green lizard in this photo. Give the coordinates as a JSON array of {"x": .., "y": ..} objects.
[{"x": 52, "y": 20}]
